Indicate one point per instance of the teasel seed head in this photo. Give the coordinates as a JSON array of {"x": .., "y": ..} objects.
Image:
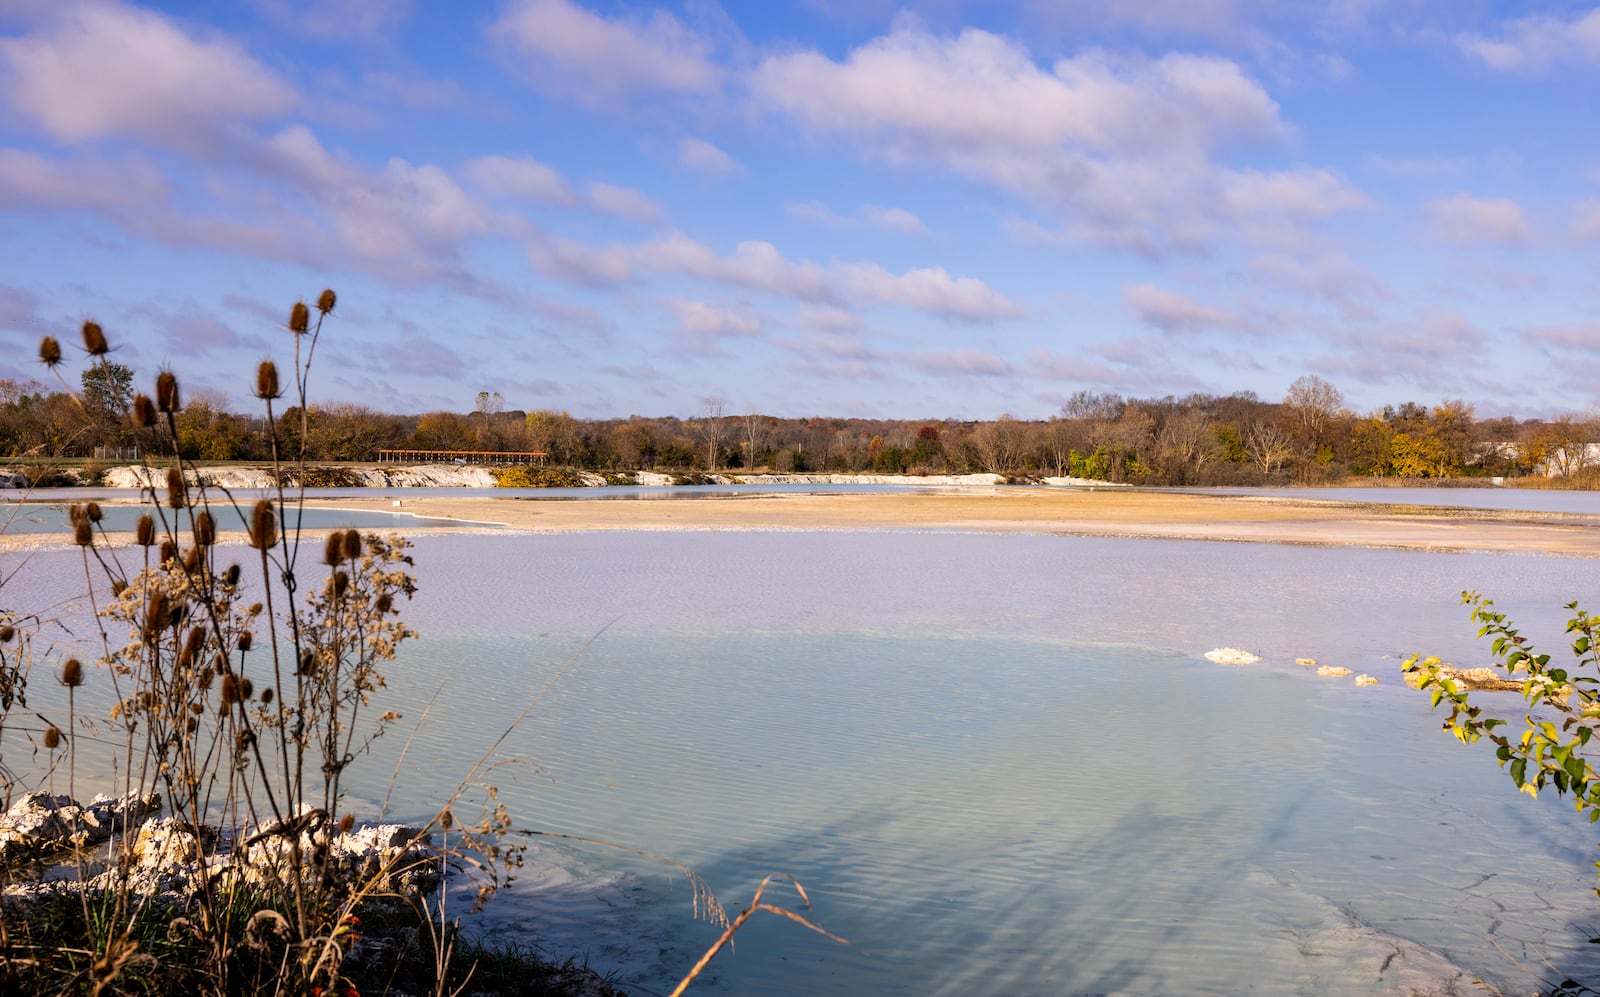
[
  {"x": 383, "y": 603},
  {"x": 143, "y": 412},
  {"x": 75, "y": 514},
  {"x": 118, "y": 586},
  {"x": 263, "y": 526},
  {"x": 447, "y": 820},
  {"x": 93, "y": 512},
  {"x": 246, "y": 640},
  {"x": 247, "y": 688},
  {"x": 52, "y": 737},
  {"x": 205, "y": 529},
  {"x": 7, "y": 634},
  {"x": 266, "y": 696},
  {"x": 72, "y": 673},
  {"x": 191, "y": 560},
  {"x": 167, "y": 392},
  {"x": 348, "y": 820},
  {"x": 299, "y": 318},
  {"x": 326, "y": 300},
  {"x": 145, "y": 532},
  {"x": 155, "y": 616},
  {"x": 94, "y": 339},
  {"x": 207, "y": 677},
  {"x": 83, "y": 533},
  {"x": 308, "y": 661},
  {"x": 191, "y": 725},
  {"x": 340, "y": 583},
  {"x": 177, "y": 488},
  {"x": 230, "y": 577},
  {"x": 333, "y": 549},
  {"x": 196, "y": 709},
  {"x": 49, "y": 351},
  {"x": 229, "y": 694},
  {"x": 352, "y": 544},
  {"x": 267, "y": 381}
]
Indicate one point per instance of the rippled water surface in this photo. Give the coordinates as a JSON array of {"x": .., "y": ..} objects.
[{"x": 999, "y": 764}]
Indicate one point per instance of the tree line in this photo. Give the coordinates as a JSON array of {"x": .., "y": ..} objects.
[{"x": 1309, "y": 436}]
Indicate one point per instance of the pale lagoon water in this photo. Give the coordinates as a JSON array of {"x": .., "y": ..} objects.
[{"x": 999, "y": 764}]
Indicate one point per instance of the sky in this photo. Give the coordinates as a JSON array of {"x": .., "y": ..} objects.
[{"x": 924, "y": 209}]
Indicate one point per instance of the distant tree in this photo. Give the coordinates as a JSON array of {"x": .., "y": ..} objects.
[
  {"x": 444, "y": 431},
  {"x": 713, "y": 430},
  {"x": 489, "y": 403},
  {"x": 108, "y": 388},
  {"x": 1311, "y": 405},
  {"x": 1268, "y": 445}
]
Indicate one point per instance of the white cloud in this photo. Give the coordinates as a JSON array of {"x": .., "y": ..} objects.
[
  {"x": 701, "y": 319},
  {"x": 963, "y": 363},
  {"x": 29, "y": 180},
  {"x": 624, "y": 202},
  {"x": 582, "y": 55},
  {"x": 1474, "y": 221},
  {"x": 1170, "y": 311},
  {"x": 940, "y": 94},
  {"x": 107, "y": 69},
  {"x": 816, "y": 211},
  {"x": 1583, "y": 337},
  {"x": 1538, "y": 43},
  {"x": 927, "y": 289},
  {"x": 760, "y": 266},
  {"x": 523, "y": 178},
  {"x": 828, "y": 318},
  {"x": 1118, "y": 147},
  {"x": 893, "y": 219},
  {"x": 700, "y": 156}
]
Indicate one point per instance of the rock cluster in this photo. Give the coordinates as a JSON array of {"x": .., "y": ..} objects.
[{"x": 50, "y": 843}]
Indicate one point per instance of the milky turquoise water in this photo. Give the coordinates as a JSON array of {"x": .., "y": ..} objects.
[{"x": 999, "y": 764}]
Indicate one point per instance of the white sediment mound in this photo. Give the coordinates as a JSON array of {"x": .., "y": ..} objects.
[
  {"x": 1232, "y": 656},
  {"x": 1306, "y": 662},
  {"x": 1365, "y": 679},
  {"x": 1334, "y": 671}
]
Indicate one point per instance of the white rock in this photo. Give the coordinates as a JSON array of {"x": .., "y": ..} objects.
[{"x": 1232, "y": 656}]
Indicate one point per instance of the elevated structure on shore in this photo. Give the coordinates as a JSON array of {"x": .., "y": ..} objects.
[{"x": 495, "y": 457}]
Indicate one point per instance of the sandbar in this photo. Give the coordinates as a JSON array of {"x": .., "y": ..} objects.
[
  {"x": 1081, "y": 512},
  {"x": 1107, "y": 512}
]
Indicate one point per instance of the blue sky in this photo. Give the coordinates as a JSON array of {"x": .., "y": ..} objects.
[{"x": 836, "y": 207}]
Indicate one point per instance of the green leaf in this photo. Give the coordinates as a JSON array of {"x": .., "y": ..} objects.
[{"x": 1519, "y": 771}]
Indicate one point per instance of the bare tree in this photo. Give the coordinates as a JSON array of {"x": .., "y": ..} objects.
[
  {"x": 1001, "y": 446},
  {"x": 753, "y": 426},
  {"x": 713, "y": 429},
  {"x": 1312, "y": 404},
  {"x": 1267, "y": 444}
]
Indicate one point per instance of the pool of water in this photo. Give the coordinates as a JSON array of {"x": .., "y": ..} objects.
[{"x": 999, "y": 764}]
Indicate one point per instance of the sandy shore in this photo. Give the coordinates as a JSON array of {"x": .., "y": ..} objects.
[
  {"x": 1102, "y": 512},
  {"x": 1106, "y": 512}
]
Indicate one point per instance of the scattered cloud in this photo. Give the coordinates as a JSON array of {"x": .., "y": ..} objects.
[
  {"x": 340, "y": 20},
  {"x": 1330, "y": 277},
  {"x": 1538, "y": 43},
  {"x": 576, "y": 53},
  {"x": 702, "y": 321},
  {"x": 30, "y": 181},
  {"x": 624, "y": 202},
  {"x": 699, "y": 156},
  {"x": 523, "y": 178},
  {"x": 817, "y": 212},
  {"x": 107, "y": 69},
  {"x": 760, "y": 266},
  {"x": 1172, "y": 312},
  {"x": 1476, "y": 221},
  {"x": 961, "y": 363},
  {"x": 893, "y": 220},
  {"x": 1577, "y": 337}
]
